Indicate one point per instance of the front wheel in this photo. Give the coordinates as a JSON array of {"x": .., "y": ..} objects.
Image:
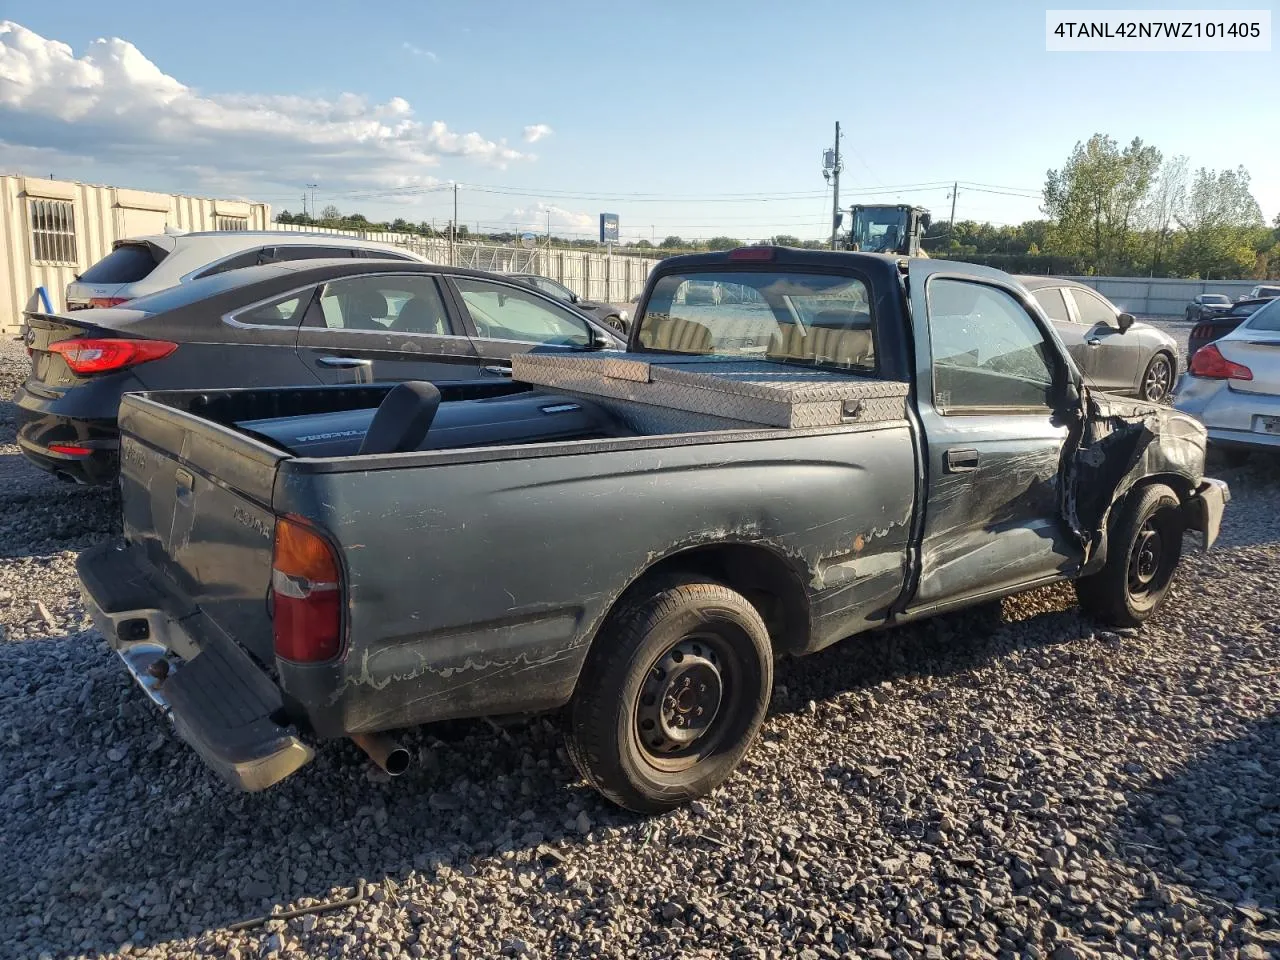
[
  {"x": 1144, "y": 546},
  {"x": 672, "y": 694},
  {"x": 615, "y": 323},
  {"x": 1157, "y": 380}
]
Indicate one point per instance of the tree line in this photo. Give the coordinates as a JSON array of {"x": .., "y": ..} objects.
[{"x": 1128, "y": 211}]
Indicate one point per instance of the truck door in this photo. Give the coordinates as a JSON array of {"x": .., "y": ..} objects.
[{"x": 988, "y": 375}]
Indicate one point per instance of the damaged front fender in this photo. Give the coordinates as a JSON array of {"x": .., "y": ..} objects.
[{"x": 1124, "y": 442}]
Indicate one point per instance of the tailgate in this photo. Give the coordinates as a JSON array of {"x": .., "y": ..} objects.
[{"x": 197, "y": 500}]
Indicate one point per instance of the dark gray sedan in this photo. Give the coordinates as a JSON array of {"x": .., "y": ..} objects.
[
  {"x": 298, "y": 322},
  {"x": 611, "y": 315},
  {"x": 1113, "y": 351}
]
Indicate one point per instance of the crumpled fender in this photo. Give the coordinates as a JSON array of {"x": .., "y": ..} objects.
[{"x": 1118, "y": 443}]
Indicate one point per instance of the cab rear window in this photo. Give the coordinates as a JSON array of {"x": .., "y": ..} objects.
[
  {"x": 127, "y": 263},
  {"x": 801, "y": 318}
]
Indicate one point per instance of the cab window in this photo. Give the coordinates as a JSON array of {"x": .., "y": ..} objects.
[{"x": 988, "y": 352}]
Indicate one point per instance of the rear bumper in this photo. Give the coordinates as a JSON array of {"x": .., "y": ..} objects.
[
  {"x": 220, "y": 701},
  {"x": 39, "y": 427},
  {"x": 1231, "y": 417}
]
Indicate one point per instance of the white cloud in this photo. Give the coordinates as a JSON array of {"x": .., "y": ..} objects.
[
  {"x": 419, "y": 52},
  {"x": 115, "y": 105},
  {"x": 562, "y": 221},
  {"x": 537, "y": 131}
]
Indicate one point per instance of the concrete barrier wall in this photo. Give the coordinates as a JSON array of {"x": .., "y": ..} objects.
[{"x": 1161, "y": 298}]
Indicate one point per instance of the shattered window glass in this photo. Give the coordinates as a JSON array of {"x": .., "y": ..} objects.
[{"x": 987, "y": 351}]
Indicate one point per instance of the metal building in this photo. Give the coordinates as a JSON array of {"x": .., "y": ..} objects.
[{"x": 51, "y": 230}]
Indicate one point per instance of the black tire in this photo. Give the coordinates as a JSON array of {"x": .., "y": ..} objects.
[
  {"x": 642, "y": 661},
  {"x": 1160, "y": 371},
  {"x": 1143, "y": 549},
  {"x": 615, "y": 323}
]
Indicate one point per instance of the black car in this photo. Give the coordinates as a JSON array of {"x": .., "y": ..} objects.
[
  {"x": 1211, "y": 328},
  {"x": 301, "y": 322},
  {"x": 612, "y": 316},
  {"x": 1207, "y": 305}
]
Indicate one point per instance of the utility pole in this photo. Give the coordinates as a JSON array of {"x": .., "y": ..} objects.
[
  {"x": 835, "y": 190},
  {"x": 831, "y": 172},
  {"x": 304, "y": 204},
  {"x": 312, "y": 188},
  {"x": 951, "y": 224}
]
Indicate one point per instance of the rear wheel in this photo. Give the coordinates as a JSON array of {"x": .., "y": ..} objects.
[
  {"x": 1144, "y": 546},
  {"x": 672, "y": 694},
  {"x": 1157, "y": 380}
]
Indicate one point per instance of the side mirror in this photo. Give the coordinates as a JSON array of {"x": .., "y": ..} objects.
[
  {"x": 1125, "y": 321},
  {"x": 598, "y": 340},
  {"x": 573, "y": 297}
]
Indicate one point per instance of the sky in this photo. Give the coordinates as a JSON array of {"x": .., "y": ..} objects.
[{"x": 694, "y": 119}]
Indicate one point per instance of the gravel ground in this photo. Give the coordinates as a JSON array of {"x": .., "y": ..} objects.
[{"x": 1012, "y": 782}]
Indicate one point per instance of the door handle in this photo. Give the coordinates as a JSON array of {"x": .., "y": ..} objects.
[
  {"x": 960, "y": 460},
  {"x": 497, "y": 371},
  {"x": 344, "y": 362},
  {"x": 1094, "y": 341}
]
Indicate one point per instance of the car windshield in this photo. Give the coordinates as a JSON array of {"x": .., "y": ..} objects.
[
  {"x": 1266, "y": 318},
  {"x": 1215, "y": 298},
  {"x": 812, "y": 319}
]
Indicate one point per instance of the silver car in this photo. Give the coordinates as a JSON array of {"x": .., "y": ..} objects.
[
  {"x": 142, "y": 265},
  {"x": 1115, "y": 353},
  {"x": 1233, "y": 386}
]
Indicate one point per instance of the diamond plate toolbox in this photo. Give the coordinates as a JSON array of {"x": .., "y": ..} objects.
[{"x": 753, "y": 391}]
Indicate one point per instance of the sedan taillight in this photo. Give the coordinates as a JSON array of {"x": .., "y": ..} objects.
[
  {"x": 1212, "y": 365},
  {"x": 103, "y": 355}
]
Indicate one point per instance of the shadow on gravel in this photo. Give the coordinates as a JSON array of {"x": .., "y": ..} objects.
[
  {"x": 185, "y": 861},
  {"x": 189, "y": 860},
  {"x": 939, "y": 647},
  {"x": 1214, "y": 826}
]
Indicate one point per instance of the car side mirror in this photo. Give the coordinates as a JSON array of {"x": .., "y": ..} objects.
[
  {"x": 599, "y": 340},
  {"x": 1125, "y": 321},
  {"x": 573, "y": 297}
]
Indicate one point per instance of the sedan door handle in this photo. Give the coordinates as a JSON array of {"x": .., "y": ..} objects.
[
  {"x": 1094, "y": 341},
  {"x": 496, "y": 370},
  {"x": 960, "y": 460},
  {"x": 344, "y": 362}
]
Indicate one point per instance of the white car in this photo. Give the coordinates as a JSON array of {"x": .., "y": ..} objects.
[
  {"x": 1233, "y": 385},
  {"x": 141, "y": 265}
]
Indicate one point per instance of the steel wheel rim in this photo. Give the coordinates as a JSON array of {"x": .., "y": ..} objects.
[
  {"x": 1156, "y": 385},
  {"x": 1146, "y": 559},
  {"x": 693, "y": 674}
]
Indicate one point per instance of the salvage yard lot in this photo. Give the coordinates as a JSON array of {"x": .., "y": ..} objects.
[{"x": 1009, "y": 782}]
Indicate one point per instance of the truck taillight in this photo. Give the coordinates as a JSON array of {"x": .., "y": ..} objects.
[{"x": 306, "y": 585}]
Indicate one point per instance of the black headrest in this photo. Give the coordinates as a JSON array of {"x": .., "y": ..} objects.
[
  {"x": 403, "y": 418},
  {"x": 362, "y": 307},
  {"x": 418, "y": 316}
]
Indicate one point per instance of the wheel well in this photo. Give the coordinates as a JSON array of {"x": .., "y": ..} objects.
[{"x": 771, "y": 583}]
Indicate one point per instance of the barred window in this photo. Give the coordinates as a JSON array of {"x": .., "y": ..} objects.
[
  {"x": 230, "y": 223},
  {"x": 53, "y": 231}
]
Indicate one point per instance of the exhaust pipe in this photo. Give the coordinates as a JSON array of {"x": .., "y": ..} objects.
[{"x": 390, "y": 757}]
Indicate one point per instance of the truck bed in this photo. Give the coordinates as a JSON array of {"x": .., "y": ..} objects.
[{"x": 447, "y": 552}]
